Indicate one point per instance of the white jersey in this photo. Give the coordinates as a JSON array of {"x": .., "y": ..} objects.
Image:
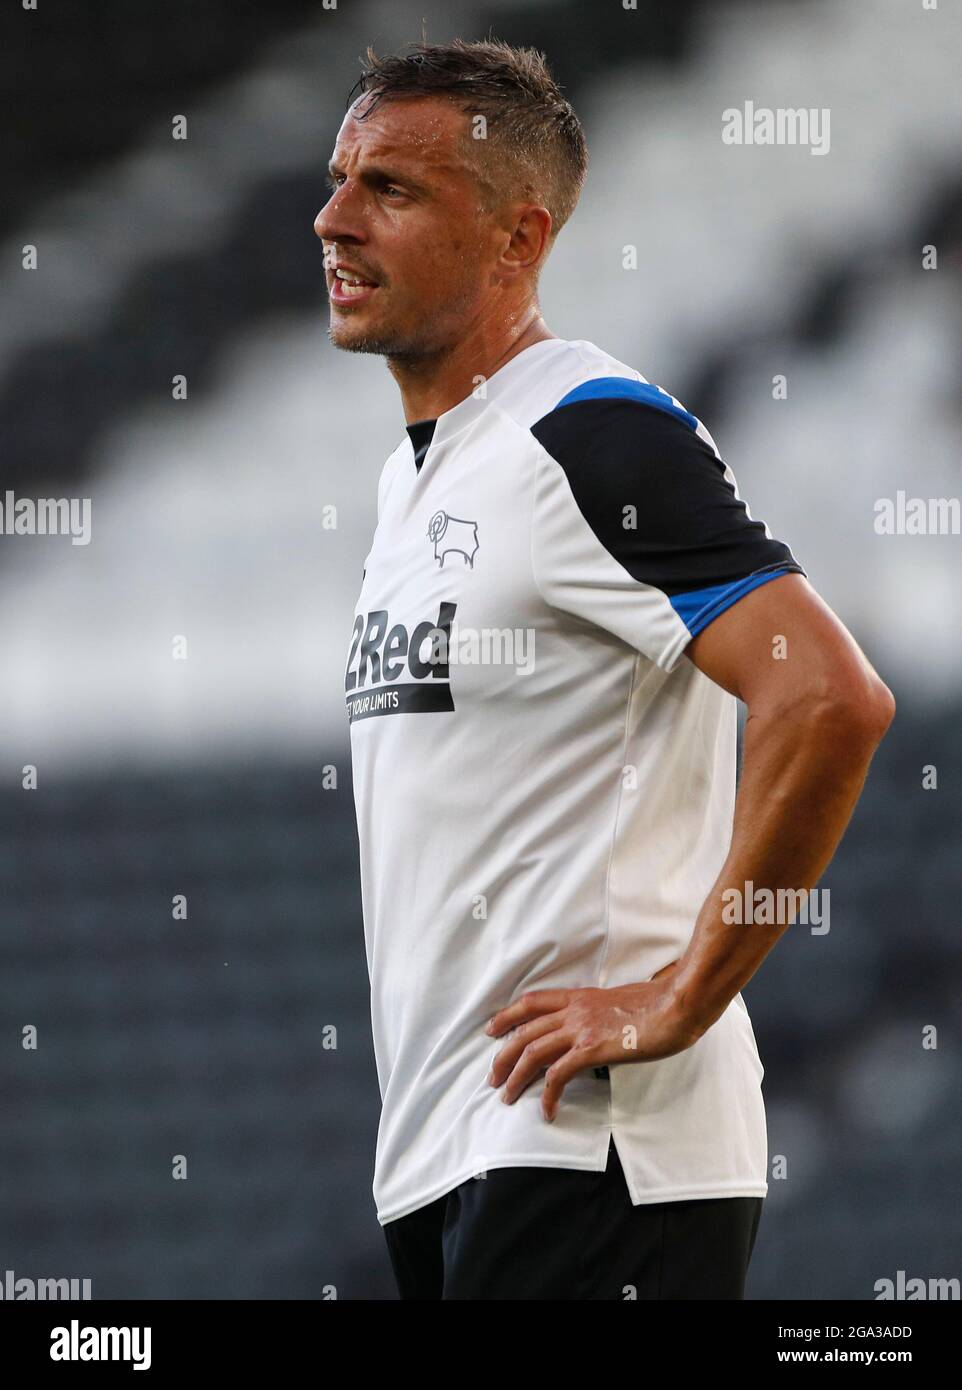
[{"x": 544, "y": 787}]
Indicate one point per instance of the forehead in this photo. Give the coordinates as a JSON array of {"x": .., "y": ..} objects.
[{"x": 423, "y": 133}]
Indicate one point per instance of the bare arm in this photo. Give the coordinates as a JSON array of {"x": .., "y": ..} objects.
[{"x": 816, "y": 713}]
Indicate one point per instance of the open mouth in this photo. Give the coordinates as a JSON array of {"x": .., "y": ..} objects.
[{"x": 347, "y": 287}]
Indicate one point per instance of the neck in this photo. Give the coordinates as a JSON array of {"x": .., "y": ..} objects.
[{"x": 433, "y": 384}]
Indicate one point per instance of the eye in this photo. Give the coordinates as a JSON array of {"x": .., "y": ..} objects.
[{"x": 332, "y": 181}]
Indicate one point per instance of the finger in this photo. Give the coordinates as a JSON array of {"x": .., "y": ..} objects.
[
  {"x": 558, "y": 1075},
  {"x": 526, "y": 1033},
  {"x": 530, "y": 1005},
  {"x": 532, "y": 1062}
]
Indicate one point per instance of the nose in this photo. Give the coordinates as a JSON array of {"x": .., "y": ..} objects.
[
  {"x": 324, "y": 229},
  {"x": 340, "y": 218},
  {"x": 320, "y": 225},
  {"x": 321, "y": 231}
]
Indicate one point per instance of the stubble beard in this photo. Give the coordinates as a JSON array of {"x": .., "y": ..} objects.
[{"x": 427, "y": 340}]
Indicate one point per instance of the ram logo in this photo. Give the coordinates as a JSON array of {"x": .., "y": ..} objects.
[{"x": 450, "y": 533}]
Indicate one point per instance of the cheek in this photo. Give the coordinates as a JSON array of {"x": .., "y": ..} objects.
[
  {"x": 434, "y": 269},
  {"x": 434, "y": 277}
]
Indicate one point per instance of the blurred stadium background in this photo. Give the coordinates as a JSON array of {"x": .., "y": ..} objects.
[{"x": 205, "y": 777}]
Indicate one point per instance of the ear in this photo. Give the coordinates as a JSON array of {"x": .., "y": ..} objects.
[{"x": 530, "y": 240}]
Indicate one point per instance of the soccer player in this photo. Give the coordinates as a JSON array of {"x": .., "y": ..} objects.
[{"x": 563, "y": 598}]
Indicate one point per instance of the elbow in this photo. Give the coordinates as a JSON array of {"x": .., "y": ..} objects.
[
  {"x": 855, "y": 712},
  {"x": 884, "y": 710}
]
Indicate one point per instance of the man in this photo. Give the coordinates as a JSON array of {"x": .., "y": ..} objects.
[{"x": 563, "y": 597}]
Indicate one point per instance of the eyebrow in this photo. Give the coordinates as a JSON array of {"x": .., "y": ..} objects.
[{"x": 376, "y": 173}]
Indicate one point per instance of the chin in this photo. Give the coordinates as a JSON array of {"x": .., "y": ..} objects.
[
  {"x": 353, "y": 337},
  {"x": 373, "y": 338}
]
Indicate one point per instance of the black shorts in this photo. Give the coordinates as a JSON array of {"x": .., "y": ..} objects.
[{"x": 559, "y": 1233}]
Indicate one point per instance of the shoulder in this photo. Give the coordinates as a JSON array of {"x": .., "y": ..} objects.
[
  {"x": 609, "y": 421},
  {"x": 621, "y": 444},
  {"x": 627, "y": 458}
]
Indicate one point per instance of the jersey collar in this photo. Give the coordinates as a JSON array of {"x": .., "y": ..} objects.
[{"x": 453, "y": 421}]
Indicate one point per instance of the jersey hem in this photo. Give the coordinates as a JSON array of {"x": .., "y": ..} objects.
[
  {"x": 736, "y": 1187},
  {"x": 691, "y": 1194}
]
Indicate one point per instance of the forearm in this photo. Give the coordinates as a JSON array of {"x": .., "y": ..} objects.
[{"x": 803, "y": 771}]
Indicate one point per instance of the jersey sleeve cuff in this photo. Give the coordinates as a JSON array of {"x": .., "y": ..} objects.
[{"x": 699, "y": 607}]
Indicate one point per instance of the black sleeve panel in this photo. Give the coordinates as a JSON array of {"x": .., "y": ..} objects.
[{"x": 688, "y": 530}]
